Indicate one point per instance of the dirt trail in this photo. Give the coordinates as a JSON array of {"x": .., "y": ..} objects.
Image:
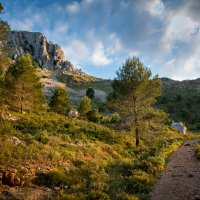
[{"x": 181, "y": 178}]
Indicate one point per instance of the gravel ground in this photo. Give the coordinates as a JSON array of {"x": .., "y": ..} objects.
[{"x": 181, "y": 179}]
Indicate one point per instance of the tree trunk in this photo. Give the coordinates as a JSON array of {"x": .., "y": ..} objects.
[
  {"x": 22, "y": 98},
  {"x": 137, "y": 137}
]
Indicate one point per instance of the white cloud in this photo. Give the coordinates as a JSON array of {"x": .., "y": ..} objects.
[
  {"x": 73, "y": 7},
  {"x": 114, "y": 44},
  {"x": 99, "y": 57},
  {"x": 179, "y": 27},
  {"x": 76, "y": 51},
  {"x": 154, "y": 7}
]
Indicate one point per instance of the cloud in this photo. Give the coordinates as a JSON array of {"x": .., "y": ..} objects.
[
  {"x": 76, "y": 51},
  {"x": 73, "y": 7},
  {"x": 99, "y": 57},
  {"x": 155, "y": 7}
]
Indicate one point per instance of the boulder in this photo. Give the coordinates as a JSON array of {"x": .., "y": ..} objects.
[
  {"x": 180, "y": 127},
  {"x": 10, "y": 178},
  {"x": 16, "y": 141}
]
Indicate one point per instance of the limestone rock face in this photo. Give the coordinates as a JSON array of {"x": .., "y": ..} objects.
[{"x": 46, "y": 54}]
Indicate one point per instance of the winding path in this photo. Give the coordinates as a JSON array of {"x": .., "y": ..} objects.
[{"x": 181, "y": 178}]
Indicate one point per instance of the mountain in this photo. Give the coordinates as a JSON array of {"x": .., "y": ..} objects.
[{"x": 47, "y": 54}]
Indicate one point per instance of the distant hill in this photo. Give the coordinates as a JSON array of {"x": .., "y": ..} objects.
[{"x": 181, "y": 99}]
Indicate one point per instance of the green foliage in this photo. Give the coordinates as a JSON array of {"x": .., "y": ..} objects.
[
  {"x": 85, "y": 106},
  {"x": 115, "y": 118},
  {"x": 197, "y": 151},
  {"x": 181, "y": 101},
  {"x": 60, "y": 101},
  {"x": 134, "y": 93},
  {"x": 6, "y": 129},
  {"x": 56, "y": 177},
  {"x": 23, "y": 88},
  {"x": 90, "y": 93},
  {"x": 93, "y": 115},
  {"x": 140, "y": 182},
  {"x": 42, "y": 137}
]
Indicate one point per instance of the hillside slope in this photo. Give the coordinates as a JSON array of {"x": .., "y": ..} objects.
[{"x": 181, "y": 99}]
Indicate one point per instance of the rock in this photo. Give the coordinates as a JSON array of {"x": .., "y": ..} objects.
[
  {"x": 17, "y": 181},
  {"x": 57, "y": 189},
  {"x": 10, "y": 178},
  {"x": 46, "y": 54},
  {"x": 16, "y": 141},
  {"x": 180, "y": 127},
  {"x": 65, "y": 187}
]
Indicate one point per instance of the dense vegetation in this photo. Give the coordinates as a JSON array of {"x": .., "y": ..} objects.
[{"x": 182, "y": 101}]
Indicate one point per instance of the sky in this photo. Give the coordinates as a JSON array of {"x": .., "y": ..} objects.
[{"x": 99, "y": 35}]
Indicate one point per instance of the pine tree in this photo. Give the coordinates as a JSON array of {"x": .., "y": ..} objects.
[
  {"x": 135, "y": 91},
  {"x": 23, "y": 87},
  {"x": 90, "y": 93},
  {"x": 60, "y": 101},
  {"x": 85, "y": 106}
]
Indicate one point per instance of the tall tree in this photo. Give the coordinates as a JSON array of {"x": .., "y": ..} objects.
[
  {"x": 23, "y": 87},
  {"x": 134, "y": 93},
  {"x": 85, "y": 106},
  {"x": 60, "y": 101},
  {"x": 90, "y": 93}
]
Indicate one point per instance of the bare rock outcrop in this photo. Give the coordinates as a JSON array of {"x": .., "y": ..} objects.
[{"x": 46, "y": 54}]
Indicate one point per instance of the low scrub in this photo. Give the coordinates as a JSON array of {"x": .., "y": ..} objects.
[{"x": 197, "y": 151}]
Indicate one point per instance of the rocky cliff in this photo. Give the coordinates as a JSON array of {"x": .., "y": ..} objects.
[{"x": 46, "y": 54}]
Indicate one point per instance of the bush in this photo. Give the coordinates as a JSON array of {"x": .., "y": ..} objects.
[
  {"x": 85, "y": 106},
  {"x": 115, "y": 117},
  {"x": 98, "y": 195},
  {"x": 56, "y": 177},
  {"x": 93, "y": 115},
  {"x": 155, "y": 164},
  {"x": 6, "y": 128},
  {"x": 197, "y": 151},
  {"x": 139, "y": 182},
  {"x": 42, "y": 137}
]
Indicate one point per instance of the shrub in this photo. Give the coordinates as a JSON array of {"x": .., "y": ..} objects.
[
  {"x": 124, "y": 196},
  {"x": 98, "y": 195},
  {"x": 42, "y": 137},
  {"x": 155, "y": 164},
  {"x": 85, "y": 106},
  {"x": 56, "y": 177},
  {"x": 115, "y": 117},
  {"x": 6, "y": 128},
  {"x": 93, "y": 115},
  {"x": 197, "y": 151},
  {"x": 139, "y": 182}
]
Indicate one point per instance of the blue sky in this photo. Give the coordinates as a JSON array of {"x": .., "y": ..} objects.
[{"x": 99, "y": 35}]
